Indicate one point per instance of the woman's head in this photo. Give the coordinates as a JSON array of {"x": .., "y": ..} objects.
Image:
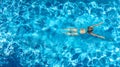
[{"x": 82, "y": 31}]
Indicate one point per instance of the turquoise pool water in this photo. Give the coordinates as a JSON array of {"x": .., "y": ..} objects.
[{"x": 31, "y": 33}]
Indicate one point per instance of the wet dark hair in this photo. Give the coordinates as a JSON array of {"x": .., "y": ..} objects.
[{"x": 90, "y": 29}]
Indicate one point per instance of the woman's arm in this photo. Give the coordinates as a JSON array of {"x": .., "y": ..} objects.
[
  {"x": 97, "y": 35},
  {"x": 97, "y": 24}
]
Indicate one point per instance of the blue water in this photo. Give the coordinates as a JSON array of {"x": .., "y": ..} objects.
[{"x": 31, "y": 33}]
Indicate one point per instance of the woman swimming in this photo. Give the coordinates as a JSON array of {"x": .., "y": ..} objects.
[{"x": 74, "y": 31}]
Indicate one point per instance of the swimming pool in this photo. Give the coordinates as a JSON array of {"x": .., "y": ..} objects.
[{"x": 31, "y": 33}]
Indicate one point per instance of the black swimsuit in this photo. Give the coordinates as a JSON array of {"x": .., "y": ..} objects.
[{"x": 90, "y": 29}]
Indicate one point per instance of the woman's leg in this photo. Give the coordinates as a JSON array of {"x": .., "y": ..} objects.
[{"x": 71, "y": 31}]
